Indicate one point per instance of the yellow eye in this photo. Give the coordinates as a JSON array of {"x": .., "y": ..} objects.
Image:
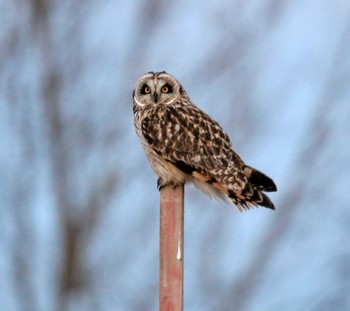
[
  {"x": 147, "y": 90},
  {"x": 165, "y": 89}
]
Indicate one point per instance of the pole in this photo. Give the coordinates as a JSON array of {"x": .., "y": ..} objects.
[{"x": 171, "y": 251}]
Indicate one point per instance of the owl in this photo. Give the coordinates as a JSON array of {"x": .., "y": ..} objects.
[{"x": 183, "y": 144}]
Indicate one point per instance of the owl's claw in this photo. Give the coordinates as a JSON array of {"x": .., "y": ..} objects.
[{"x": 160, "y": 184}]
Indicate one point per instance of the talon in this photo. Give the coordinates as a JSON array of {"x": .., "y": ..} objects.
[{"x": 159, "y": 184}]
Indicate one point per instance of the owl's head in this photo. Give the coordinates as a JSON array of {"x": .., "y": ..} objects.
[{"x": 155, "y": 88}]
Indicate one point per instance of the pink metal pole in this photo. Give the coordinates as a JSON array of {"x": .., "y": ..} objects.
[{"x": 171, "y": 252}]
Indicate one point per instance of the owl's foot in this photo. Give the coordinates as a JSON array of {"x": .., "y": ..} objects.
[{"x": 161, "y": 184}]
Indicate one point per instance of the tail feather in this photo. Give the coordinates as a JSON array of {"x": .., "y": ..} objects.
[
  {"x": 253, "y": 195},
  {"x": 259, "y": 180},
  {"x": 249, "y": 198},
  {"x": 266, "y": 202}
]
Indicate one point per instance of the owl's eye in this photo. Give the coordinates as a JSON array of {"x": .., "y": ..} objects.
[
  {"x": 145, "y": 89},
  {"x": 166, "y": 89}
]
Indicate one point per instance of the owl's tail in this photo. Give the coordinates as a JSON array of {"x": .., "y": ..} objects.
[
  {"x": 253, "y": 192},
  {"x": 251, "y": 195},
  {"x": 258, "y": 182}
]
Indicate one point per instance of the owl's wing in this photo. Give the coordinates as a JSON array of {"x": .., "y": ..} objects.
[
  {"x": 197, "y": 145},
  {"x": 192, "y": 141}
]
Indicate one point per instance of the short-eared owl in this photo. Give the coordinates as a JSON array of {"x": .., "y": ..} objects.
[{"x": 182, "y": 143}]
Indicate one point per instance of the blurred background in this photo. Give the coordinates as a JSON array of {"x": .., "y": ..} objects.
[{"x": 79, "y": 208}]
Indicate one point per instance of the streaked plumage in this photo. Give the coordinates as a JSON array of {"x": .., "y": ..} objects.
[{"x": 182, "y": 143}]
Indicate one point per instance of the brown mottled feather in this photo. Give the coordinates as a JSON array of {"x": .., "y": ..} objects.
[{"x": 202, "y": 145}]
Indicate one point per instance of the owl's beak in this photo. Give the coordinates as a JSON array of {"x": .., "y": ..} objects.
[{"x": 155, "y": 96}]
